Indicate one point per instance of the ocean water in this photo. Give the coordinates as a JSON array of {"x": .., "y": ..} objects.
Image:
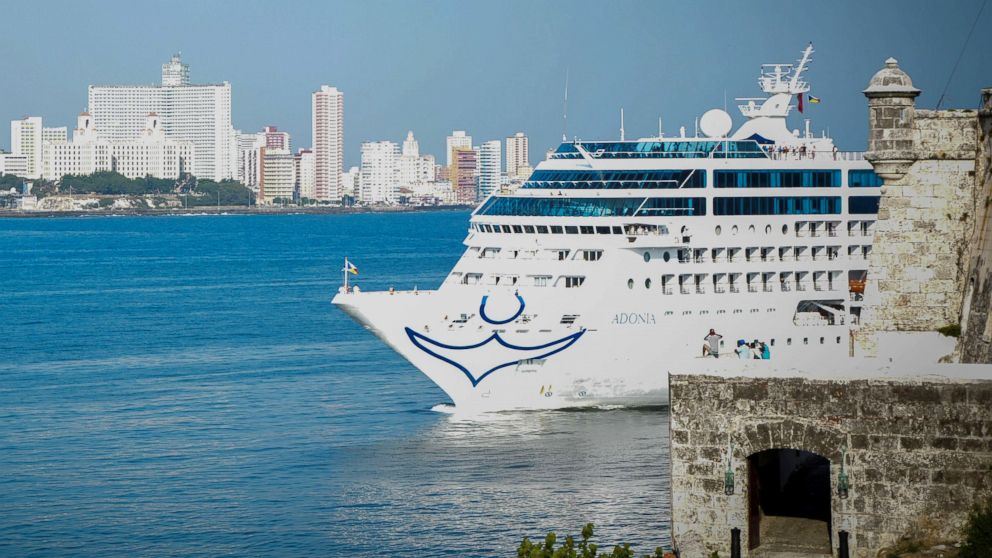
[{"x": 182, "y": 386}]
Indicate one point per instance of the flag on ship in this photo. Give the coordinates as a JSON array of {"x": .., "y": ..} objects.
[
  {"x": 800, "y": 95},
  {"x": 350, "y": 267},
  {"x": 814, "y": 100}
]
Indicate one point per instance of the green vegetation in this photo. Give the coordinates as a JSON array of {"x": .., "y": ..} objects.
[
  {"x": 115, "y": 184},
  {"x": 569, "y": 549},
  {"x": 978, "y": 532},
  {"x": 231, "y": 192},
  {"x": 950, "y": 330}
]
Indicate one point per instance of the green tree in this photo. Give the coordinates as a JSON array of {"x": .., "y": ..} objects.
[{"x": 568, "y": 549}]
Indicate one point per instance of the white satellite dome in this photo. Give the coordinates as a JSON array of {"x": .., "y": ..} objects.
[{"x": 715, "y": 123}]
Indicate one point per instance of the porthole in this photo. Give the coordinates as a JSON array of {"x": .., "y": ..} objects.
[
  {"x": 718, "y": 230},
  {"x": 768, "y": 229},
  {"x": 821, "y": 340},
  {"x": 647, "y": 257},
  {"x": 750, "y": 230},
  {"x": 647, "y": 283},
  {"x": 666, "y": 256},
  {"x": 733, "y": 230},
  {"x": 785, "y": 229},
  {"x": 630, "y": 283}
]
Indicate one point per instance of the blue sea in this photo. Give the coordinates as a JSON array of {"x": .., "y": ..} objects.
[{"x": 182, "y": 386}]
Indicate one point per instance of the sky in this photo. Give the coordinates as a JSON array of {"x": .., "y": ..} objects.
[{"x": 491, "y": 68}]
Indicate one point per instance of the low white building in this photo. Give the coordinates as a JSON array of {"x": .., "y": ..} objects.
[
  {"x": 248, "y": 160},
  {"x": 306, "y": 169},
  {"x": 151, "y": 154}
]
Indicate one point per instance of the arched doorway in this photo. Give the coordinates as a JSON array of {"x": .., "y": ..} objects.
[{"x": 789, "y": 502}]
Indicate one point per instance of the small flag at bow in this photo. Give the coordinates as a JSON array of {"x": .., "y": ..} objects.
[
  {"x": 814, "y": 100},
  {"x": 350, "y": 268}
]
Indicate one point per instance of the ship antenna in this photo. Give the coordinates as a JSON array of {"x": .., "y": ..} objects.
[
  {"x": 660, "y": 133},
  {"x": 799, "y": 70},
  {"x": 621, "y": 124},
  {"x": 960, "y": 54},
  {"x": 564, "y": 116}
]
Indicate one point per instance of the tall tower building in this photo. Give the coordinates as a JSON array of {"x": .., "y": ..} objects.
[
  {"x": 26, "y": 141},
  {"x": 457, "y": 140},
  {"x": 328, "y": 142},
  {"x": 462, "y": 175},
  {"x": 411, "y": 148},
  {"x": 174, "y": 72},
  {"x": 200, "y": 114},
  {"x": 490, "y": 160},
  {"x": 380, "y": 172},
  {"x": 517, "y": 155}
]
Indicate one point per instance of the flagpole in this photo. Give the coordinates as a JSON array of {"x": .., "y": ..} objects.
[{"x": 345, "y": 272}]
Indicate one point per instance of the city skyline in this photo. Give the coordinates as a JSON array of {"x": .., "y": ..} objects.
[{"x": 512, "y": 79}]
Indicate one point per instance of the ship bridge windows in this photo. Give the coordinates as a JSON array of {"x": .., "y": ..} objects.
[
  {"x": 615, "y": 179},
  {"x": 541, "y": 280},
  {"x": 560, "y": 207},
  {"x": 791, "y": 205},
  {"x": 865, "y": 178},
  {"x": 471, "y": 278},
  {"x": 571, "y": 281},
  {"x": 863, "y": 205},
  {"x": 591, "y": 255},
  {"x": 776, "y": 178},
  {"x": 489, "y": 252},
  {"x": 682, "y": 149}
]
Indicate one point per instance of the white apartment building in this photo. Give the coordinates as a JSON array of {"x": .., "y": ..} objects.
[
  {"x": 26, "y": 141},
  {"x": 277, "y": 178},
  {"x": 517, "y": 157},
  {"x": 306, "y": 183},
  {"x": 380, "y": 172},
  {"x": 200, "y": 114},
  {"x": 249, "y": 159},
  {"x": 490, "y": 168},
  {"x": 414, "y": 168},
  {"x": 327, "y": 121},
  {"x": 16, "y": 165},
  {"x": 457, "y": 140},
  {"x": 351, "y": 182},
  {"x": 54, "y": 135},
  {"x": 151, "y": 154}
]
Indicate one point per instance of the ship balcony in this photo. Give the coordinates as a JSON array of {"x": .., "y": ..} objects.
[
  {"x": 801, "y": 287},
  {"x": 785, "y": 287},
  {"x": 719, "y": 289},
  {"x": 752, "y": 288},
  {"x": 735, "y": 289},
  {"x": 700, "y": 289},
  {"x": 685, "y": 290},
  {"x": 667, "y": 290},
  {"x": 767, "y": 288}
]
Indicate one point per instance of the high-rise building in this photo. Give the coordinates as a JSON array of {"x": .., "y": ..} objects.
[
  {"x": 277, "y": 179},
  {"x": 458, "y": 139},
  {"x": 54, "y": 135},
  {"x": 306, "y": 184},
  {"x": 380, "y": 172},
  {"x": 463, "y": 175},
  {"x": 414, "y": 168},
  {"x": 411, "y": 147},
  {"x": 328, "y": 142},
  {"x": 274, "y": 139},
  {"x": 249, "y": 158},
  {"x": 200, "y": 114},
  {"x": 490, "y": 163},
  {"x": 517, "y": 157},
  {"x": 351, "y": 183},
  {"x": 26, "y": 141}
]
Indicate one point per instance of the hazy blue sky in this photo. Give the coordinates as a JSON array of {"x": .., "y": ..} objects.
[{"x": 490, "y": 68}]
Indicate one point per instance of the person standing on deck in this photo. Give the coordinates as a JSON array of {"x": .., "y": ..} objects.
[{"x": 712, "y": 345}]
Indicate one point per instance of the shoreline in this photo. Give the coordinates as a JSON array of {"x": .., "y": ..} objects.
[{"x": 227, "y": 210}]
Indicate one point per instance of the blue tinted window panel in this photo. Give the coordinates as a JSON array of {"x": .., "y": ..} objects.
[
  {"x": 863, "y": 205},
  {"x": 863, "y": 179},
  {"x": 791, "y": 205}
]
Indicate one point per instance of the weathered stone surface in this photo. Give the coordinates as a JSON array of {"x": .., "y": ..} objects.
[{"x": 915, "y": 450}]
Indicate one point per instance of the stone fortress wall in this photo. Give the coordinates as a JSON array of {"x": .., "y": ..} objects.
[{"x": 916, "y": 452}]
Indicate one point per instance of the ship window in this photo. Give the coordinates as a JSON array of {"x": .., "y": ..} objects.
[
  {"x": 555, "y": 229},
  {"x": 718, "y": 230},
  {"x": 529, "y": 229},
  {"x": 586, "y": 229},
  {"x": 602, "y": 230},
  {"x": 647, "y": 283},
  {"x": 805, "y": 340},
  {"x": 863, "y": 179},
  {"x": 542, "y": 229},
  {"x": 570, "y": 207},
  {"x": 808, "y": 205},
  {"x": 785, "y": 229},
  {"x": 592, "y": 255},
  {"x": 562, "y": 255},
  {"x": 598, "y": 180},
  {"x": 617, "y": 230},
  {"x": 768, "y": 229},
  {"x": 496, "y": 228},
  {"x": 518, "y": 229},
  {"x": 821, "y": 340},
  {"x": 571, "y": 230},
  {"x": 733, "y": 230},
  {"x": 863, "y": 205},
  {"x": 788, "y": 341},
  {"x": 541, "y": 280},
  {"x": 776, "y": 179},
  {"x": 630, "y": 283},
  {"x": 666, "y": 256},
  {"x": 647, "y": 257},
  {"x": 838, "y": 340},
  {"x": 572, "y": 281}
]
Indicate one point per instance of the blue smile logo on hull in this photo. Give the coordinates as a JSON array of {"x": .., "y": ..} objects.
[{"x": 501, "y": 353}]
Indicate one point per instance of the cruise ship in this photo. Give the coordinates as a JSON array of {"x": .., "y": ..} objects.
[{"x": 616, "y": 258}]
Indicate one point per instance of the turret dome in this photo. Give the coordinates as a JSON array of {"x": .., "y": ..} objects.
[{"x": 891, "y": 81}]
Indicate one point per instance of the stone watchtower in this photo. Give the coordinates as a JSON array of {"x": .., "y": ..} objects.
[
  {"x": 926, "y": 209},
  {"x": 891, "y": 111}
]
